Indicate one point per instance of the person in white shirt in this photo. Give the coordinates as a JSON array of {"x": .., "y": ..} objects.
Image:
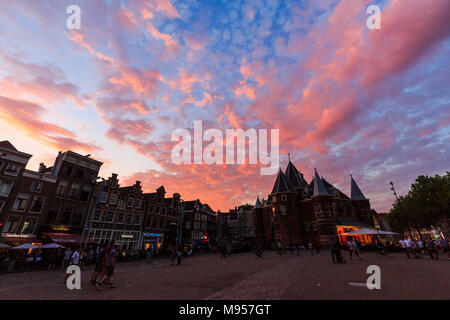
[{"x": 75, "y": 259}]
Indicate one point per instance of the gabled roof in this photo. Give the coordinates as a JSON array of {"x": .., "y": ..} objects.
[
  {"x": 7, "y": 145},
  {"x": 294, "y": 177},
  {"x": 282, "y": 184},
  {"x": 356, "y": 193},
  {"x": 319, "y": 187}
]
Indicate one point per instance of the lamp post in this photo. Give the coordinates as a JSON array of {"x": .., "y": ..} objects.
[
  {"x": 401, "y": 208},
  {"x": 180, "y": 225}
]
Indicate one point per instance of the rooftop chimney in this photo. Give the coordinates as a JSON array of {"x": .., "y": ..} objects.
[{"x": 42, "y": 168}]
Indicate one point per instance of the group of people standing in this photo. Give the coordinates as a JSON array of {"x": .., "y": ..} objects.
[
  {"x": 104, "y": 265},
  {"x": 417, "y": 248}
]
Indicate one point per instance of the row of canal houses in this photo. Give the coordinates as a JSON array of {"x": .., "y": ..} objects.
[{"x": 67, "y": 204}]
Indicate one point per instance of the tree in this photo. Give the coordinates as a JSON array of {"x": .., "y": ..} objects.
[{"x": 426, "y": 205}]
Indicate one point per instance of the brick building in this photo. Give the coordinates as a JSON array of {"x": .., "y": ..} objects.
[
  {"x": 117, "y": 214},
  {"x": 161, "y": 219},
  {"x": 296, "y": 211},
  {"x": 66, "y": 213},
  {"x": 200, "y": 225},
  {"x": 241, "y": 222},
  {"x": 13, "y": 205}
]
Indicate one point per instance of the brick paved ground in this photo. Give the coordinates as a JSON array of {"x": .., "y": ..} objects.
[{"x": 244, "y": 276}]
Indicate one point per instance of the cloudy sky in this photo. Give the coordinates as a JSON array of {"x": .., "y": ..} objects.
[{"x": 346, "y": 99}]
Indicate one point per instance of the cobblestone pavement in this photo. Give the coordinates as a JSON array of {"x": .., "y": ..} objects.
[{"x": 244, "y": 276}]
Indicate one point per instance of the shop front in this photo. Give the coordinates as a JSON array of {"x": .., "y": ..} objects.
[
  {"x": 18, "y": 239},
  {"x": 152, "y": 239},
  {"x": 63, "y": 235},
  {"x": 344, "y": 226}
]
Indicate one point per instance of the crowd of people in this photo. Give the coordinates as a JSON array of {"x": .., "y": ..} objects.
[{"x": 417, "y": 248}]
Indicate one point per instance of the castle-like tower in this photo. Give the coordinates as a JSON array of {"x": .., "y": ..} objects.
[{"x": 296, "y": 211}]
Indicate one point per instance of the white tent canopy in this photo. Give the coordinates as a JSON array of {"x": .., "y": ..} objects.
[
  {"x": 52, "y": 246},
  {"x": 4, "y": 246},
  {"x": 25, "y": 246},
  {"x": 367, "y": 231}
]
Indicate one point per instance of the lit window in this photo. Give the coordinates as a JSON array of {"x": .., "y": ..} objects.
[{"x": 29, "y": 225}]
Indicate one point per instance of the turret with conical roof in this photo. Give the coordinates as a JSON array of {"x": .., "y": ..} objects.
[
  {"x": 356, "y": 193},
  {"x": 258, "y": 203},
  {"x": 294, "y": 177},
  {"x": 319, "y": 187},
  {"x": 282, "y": 184}
]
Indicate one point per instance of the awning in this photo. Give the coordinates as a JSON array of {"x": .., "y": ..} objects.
[
  {"x": 368, "y": 231},
  {"x": 66, "y": 238},
  {"x": 17, "y": 240},
  {"x": 351, "y": 223}
]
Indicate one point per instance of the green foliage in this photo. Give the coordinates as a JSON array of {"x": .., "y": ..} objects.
[{"x": 425, "y": 205}]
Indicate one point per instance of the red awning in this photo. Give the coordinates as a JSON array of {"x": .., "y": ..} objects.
[{"x": 66, "y": 238}]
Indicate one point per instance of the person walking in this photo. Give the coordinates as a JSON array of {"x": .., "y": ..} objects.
[
  {"x": 310, "y": 247},
  {"x": 333, "y": 250},
  {"x": 74, "y": 260},
  {"x": 179, "y": 255},
  {"x": 110, "y": 264},
  {"x": 317, "y": 246},
  {"x": 67, "y": 256},
  {"x": 354, "y": 249},
  {"x": 172, "y": 256},
  {"x": 297, "y": 248},
  {"x": 149, "y": 254},
  {"x": 279, "y": 248}
]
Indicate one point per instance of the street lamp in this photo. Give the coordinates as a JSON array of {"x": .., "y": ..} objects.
[
  {"x": 180, "y": 224},
  {"x": 401, "y": 208}
]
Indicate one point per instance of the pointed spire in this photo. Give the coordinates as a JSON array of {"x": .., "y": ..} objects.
[
  {"x": 282, "y": 184},
  {"x": 258, "y": 203},
  {"x": 319, "y": 188},
  {"x": 356, "y": 193},
  {"x": 294, "y": 177}
]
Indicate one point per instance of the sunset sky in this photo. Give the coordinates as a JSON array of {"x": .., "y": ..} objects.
[{"x": 346, "y": 99}]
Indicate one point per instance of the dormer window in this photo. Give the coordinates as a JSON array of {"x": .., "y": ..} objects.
[{"x": 283, "y": 197}]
